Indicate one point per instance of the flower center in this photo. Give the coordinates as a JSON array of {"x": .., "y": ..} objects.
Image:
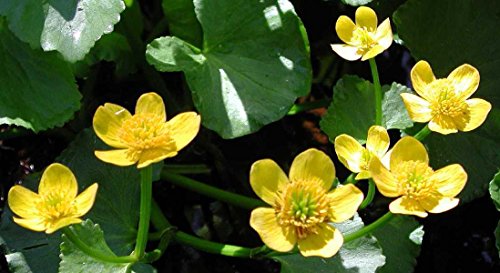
[
  {"x": 413, "y": 177},
  {"x": 365, "y": 159},
  {"x": 446, "y": 102},
  {"x": 142, "y": 132},
  {"x": 363, "y": 39},
  {"x": 55, "y": 206},
  {"x": 302, "y": 205}
]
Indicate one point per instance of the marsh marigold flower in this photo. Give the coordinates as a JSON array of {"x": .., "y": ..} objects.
[
  {"x": 145, "y": 137},
  {"x": 420, "y": 189},
  {"x": 355, "y": 157},
  {"x": 302, "y": 205},
  {"x": 56, "y": 205},
  {"x": 444, "y": 103},
  {"x": 364, "y": 39}
]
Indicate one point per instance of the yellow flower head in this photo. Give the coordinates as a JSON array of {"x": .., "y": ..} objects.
[
  {"x": 145, "y": 137},
  {"x": 363, "y": 39},
  {"x": 302, "y": 206},
  {"x": 444, "y": 103},
  {"x": 420, "y": 189},
  {"x": 56, "y": 205},
  {"x": 355, "y": 157}
]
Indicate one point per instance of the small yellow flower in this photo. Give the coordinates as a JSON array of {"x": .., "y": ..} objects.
[
  {"x": 56, "y": 205},
  {"x": 420, "y": 189},
  {"x": 302, "y": 206},
  {"x": 444, "y": 103},
  {"x": 363, "y": 39},
  {"x": 355, "y": 157},
  {"x": 145, "y": 137}
]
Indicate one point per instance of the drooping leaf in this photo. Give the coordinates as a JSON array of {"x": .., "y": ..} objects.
[
  {"x": 458, "y": 32},
  {"x": 68, "y": 26},
  {"x": 495, "y": 190},
  {"x": 253, "y": 65},
  {"x": 362, "y": 255},
  {"x": 37, "y": 89},
  {"x": 352, "y": 110},
  {"x": 182, "y": 21}
]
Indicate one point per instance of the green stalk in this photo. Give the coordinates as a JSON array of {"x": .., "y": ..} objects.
[
  {"x": 369, "y": 195},
  {"x": 222, "y": 195},
  {"x": 378, "y": 92},
  {"x": 422, "y": 133},
  {"x": 350, "y": 179},
  {"x": 93, "y": 252},
  {"x": 371, "y": 227},
  {"x": 145, "y": 211}
]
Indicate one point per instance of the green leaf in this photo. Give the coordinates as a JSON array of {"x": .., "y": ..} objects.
[
  {"x": 182, "y": 21},
  {"x": 253, "y": 65},
  {"x": 362, "y": 255},
  {"x": 458, "y": 32},
  {"x": 37, "y": 89},
  {"x": 68, "y": 26},
  {"x": 400, "y": 240},
  {"x": 356, "y": 2},
  {"x": 74, "y": 260},
  {"x": 116, "y": 207},
  {"x": 495, "y": 190},
  {"x": 352, "y": 110}
]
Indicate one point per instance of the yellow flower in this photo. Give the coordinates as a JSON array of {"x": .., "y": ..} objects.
[
  {"x": 302, "y": 206},
  {"x": 355, "y": 157},
  {"x": 145, "y": 137},
  {"x": 444, "y": 103},
  {"x": 363, "y": 39},
  {"x": 420, "y": 189},
  {"x": 56, "y": 205}
]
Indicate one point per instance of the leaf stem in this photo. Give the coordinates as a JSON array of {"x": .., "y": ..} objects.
[
  {"x": 423, "y": 133},
  {"x": 187, "y": 169},
  {"x": 93, "y": 252},
  {"x": 369, "y": 228},
  {"x": 145, "y": 211},
  {"x": 378, "y": 92},
  {"x": 350, "y": 179},
  {"x": 306, "y": 106},
  {"x": 369, "y": 195},
  {"x": 216, "y": 193}
]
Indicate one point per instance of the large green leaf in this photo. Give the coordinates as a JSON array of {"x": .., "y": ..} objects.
[
  {"x": 362, "y": 255},
  {"x": 37, "y": 89},
  {"x": 182, "y": 21},
  {"x": 352, "y": 110},
  {"x": 458, "y": 32},
  {"x": 495, "y": 190},
  {"x": 116, "y": 207},
  {"x": 68, "y": 26},
  {"x": 356, "y": 2},
  {"x": 253, "y": 65}
]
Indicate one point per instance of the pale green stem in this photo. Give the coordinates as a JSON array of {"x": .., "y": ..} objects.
[
  {"x": 369, "y": 195},
  {"x": 145, "y": 211},
  {"x": 423, "y": 133},
  {"x": 378, "y": 92}
]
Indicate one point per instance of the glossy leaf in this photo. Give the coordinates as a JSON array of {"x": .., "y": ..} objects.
[
  {"x": 182, "y": 21},
  {"x": 253, "y": 65},
  {"x": 356, "y": 2},
  {"x": 68, "y": 26},
  {"x": 495, "y": 190}
]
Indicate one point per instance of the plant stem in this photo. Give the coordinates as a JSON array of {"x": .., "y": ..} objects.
[
  {"x": 187, "y": 169},
  {"x": 222, "y": 195},
  {"x": 306, "y": 106},
  {"x": 95, "y": 253},
  {"x": 350, "y": 179},
  {"x": 367, "y": 229},
  {"x": 378, "y": 92},
  {"x": 369, "y": 195},
  {"x": 145, "y": 211},
  {"x": 423, "y": 133}
]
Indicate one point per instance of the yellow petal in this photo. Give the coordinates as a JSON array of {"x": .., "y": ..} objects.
[
  {"x": 450, "y": 180},
  {"x": 465, "y": 79},
  {"x": 107, "y": 123},
  {"x": 345, "y": 28},
  {"x": 378, "y": 140},
  {"x": 345, "y": 201},
  {"x": 443, "y": 125},
  {"x": 383, "y": 35},
  {"x": 58, "y": 178},
  {"x": 421, "y": 76},
  {"x": 35, "y": 224},
  {"x": 85, "y": 200},
  {"x": 418, "y": 108},
  {"x": 151, "y": 156},
  {"x": 366, "y": 17},
  {"x": 325, "y": 243},
  {"x": 406, "y": 149},
  {"x": 23, "y": 202},
  {"x": 116, "y": 157},
  {"x": 349, "y": 152},
  {"x": 405, "y": 205},
  {"x": 151, "y": 103},
  {"x": 315, "y": 166},
  {"x": 263, "y": 220},
  {"x": 184, "y": 128},
  {"x": 374, "y": 51},
  {"x": 347, "y": 52},
  {"x": 62, "y": 223},
  {"x": 386, "y": 183},
  {"x": 266, "y": 179},
  {"x": 438, "y": 205},
  {"x": 478, "y": 111}
]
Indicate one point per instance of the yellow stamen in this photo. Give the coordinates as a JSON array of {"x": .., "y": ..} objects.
[{"x": 414, "y": 179}]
